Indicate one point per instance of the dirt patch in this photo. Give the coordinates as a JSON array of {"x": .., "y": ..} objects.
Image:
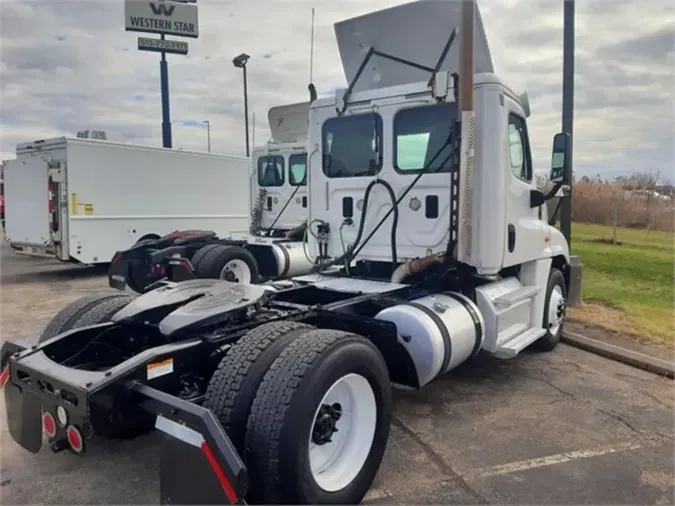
[{"x": 607, "y": 318}]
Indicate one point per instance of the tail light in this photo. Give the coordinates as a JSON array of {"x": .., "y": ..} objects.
[
  {"x": 49, "y": 424},
  {"x": 75, "y": 439}
]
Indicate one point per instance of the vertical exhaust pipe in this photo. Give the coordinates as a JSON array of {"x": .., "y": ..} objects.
[
  {"x": 466, "y": 55},
  {"x": 467, "y": 164}
]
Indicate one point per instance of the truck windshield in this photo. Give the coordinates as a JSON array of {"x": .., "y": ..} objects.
[
  {"x": 352, "y": 145},
  {"x": 297, "y": 170},
  {"x": 271, "y": 170},
  {"x": 419, "y": 133}
]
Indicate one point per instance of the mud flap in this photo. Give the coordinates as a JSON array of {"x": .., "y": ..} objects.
[
  {"x": 198, "y": 463},
  {"x": 24, "y": 417},
  {"x": 23, "y": 409},
  {"x": 118, "y": 272}
]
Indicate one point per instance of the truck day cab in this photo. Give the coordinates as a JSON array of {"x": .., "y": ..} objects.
[
  {"x": 275, "y": 247},
  {"x": 428, "y": 249}
]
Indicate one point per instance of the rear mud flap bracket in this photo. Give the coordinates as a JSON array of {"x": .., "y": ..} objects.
[{"x": 198, "y": 463}]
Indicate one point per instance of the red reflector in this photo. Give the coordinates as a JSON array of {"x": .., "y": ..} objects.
[
  {"x": 4, "y": 377},
  {"x": 162, "y": 271},
  {"x": 49, "y": 424},
  {"x": 224, "y": 482},
  {"x": 75, "y": 439}
]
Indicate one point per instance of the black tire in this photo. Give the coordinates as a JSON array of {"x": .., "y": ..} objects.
[
  {"x": 214, "y": 260},
  {"x": 92, "y": 310},
  {"x": 68, "y": 318},
  {"x": 233, "y": 386},
  {"x": 102, "y": 312},
  {"x": 282, "y": 416},
  {"x": 199, "y": 254},
  {"x": 551, "y": 339}
]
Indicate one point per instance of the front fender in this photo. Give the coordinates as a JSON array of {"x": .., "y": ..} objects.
[{"x": 556, "y": 244}]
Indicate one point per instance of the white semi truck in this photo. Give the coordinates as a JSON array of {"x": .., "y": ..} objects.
[
  {"x": 275, "y": 246},
  {"x": 428, "y": 248},
  {"x": 81, "y": 200}
]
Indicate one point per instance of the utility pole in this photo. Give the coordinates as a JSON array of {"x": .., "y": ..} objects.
[{"x": 568, "y": 113}]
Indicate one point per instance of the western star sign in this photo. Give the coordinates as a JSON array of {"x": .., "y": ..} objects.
[{"x": 169, "y": 18}]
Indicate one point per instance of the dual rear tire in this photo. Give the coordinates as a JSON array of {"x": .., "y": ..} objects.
[
  {"x": 308, "y": 410},
  {"x": 229, "y": 263}
]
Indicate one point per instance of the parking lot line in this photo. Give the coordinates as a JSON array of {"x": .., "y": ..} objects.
[{"x": 561, "y": 458}]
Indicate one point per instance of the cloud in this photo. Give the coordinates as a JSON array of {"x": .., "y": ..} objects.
[{"x": 68, "y": 65}]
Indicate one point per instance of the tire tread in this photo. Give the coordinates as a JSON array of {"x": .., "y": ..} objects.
[
  {"x": 271, "y": 404},
  {"x": 228, "y": 395},
  {"x": 67, "y": 317}
]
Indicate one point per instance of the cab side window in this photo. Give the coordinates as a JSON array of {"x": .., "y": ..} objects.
[
  {"x": 271, "y": 171},
  {"x": 519, "y": 149},
  {"x": 297, "y": 170}
]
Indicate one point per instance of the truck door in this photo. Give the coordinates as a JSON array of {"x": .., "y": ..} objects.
[
  {"x": 27, "y": 208},
  {"x": 523, "y": 227}
]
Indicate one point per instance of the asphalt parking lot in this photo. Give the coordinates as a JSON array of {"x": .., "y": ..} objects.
[{"x": 566, "y": 427}]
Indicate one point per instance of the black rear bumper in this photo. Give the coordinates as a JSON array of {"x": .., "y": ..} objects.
[{"x": 198, "y": 463}]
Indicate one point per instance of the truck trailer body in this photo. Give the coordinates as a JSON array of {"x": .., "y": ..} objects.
[
  {"x": 275, "y": 247},
  {"x": 427, "y": 246},
  {"x": 79, "y": 200}
]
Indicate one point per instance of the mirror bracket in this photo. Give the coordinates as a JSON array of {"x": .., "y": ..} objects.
[{"x": 538, "y": 198}]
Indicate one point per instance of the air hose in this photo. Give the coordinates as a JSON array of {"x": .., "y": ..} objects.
[{"x": 348, "y": 255}]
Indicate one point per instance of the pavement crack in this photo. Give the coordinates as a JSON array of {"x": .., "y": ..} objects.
[
  {"x": 546, "y": 380},
  {"x": 438, "y": 460},
  {"x": 655, "y": 399},
  {"x": 622, "y": 420}
]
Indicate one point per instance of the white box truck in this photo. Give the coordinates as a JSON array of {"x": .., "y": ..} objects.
[{"x": 81, "y": 200}]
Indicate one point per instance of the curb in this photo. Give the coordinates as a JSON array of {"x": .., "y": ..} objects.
[{"x": 628, "y": 357}]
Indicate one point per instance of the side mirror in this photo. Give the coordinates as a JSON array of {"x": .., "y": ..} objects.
[{"x": 561, "y": 158}]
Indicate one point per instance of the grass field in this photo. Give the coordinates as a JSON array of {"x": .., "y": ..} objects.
[{"x": 627, "y": 287}]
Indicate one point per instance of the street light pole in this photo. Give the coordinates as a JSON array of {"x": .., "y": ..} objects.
[
  {"x": 208, "y": 134},
  {"x": 568, "y": 113},
  {"x": 240, "y": 62},
  {"x": 246, "y": 111}
]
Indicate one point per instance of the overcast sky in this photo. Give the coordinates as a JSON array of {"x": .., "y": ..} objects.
[{"x": 68, "y": 65}]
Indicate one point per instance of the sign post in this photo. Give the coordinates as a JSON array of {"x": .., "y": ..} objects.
[{"x": 164, "y": 17}]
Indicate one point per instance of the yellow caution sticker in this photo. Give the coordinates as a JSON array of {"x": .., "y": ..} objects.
[{"x": 161, "y": 368}]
